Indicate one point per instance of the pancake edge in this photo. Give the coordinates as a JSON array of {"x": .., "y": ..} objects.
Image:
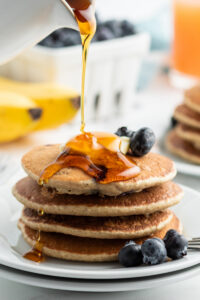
[
  {"x": 103, "y": 257},
  {"x": 96, "y": 211},
  {"x": 180, "y": 152},
  {"x": 188, "y": 136},
  {"x": 110, "y": 189},
  {"x": 186, "y": 120},
  {"x": 104, "y": 234},
  {"x": 191, "y": 104}
]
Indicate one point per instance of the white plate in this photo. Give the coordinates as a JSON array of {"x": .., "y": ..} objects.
[
  {"x": 11, "y": 251},
  {"x": 182, "y": 165},
  {"x": 80, "y": 285}
]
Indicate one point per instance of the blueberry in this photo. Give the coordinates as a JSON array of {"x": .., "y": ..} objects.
[
  {"x": 174, "y": 122},
  {"x": 176, "y": 244},
  {"x": 69, "y": 37},
  {"x": 61, "y": 38},
  {"x": 115, "y": 27},
  {"x": 142, "y": 141},
  {"x": 130, "y": 255},
  {"x": 124, "y": 131},
  {"x": 154, "y": 251},
  {"x": 127, "y": 28},
  {"x": 47, "y": 42},
  {"x": 170, "y": 234},
  {"x": 103, "y": 34}
]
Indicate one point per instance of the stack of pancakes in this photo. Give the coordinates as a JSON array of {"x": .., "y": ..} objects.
[
  {"x": 87, "y": 221},
  {"x": 184, "y": 139}
]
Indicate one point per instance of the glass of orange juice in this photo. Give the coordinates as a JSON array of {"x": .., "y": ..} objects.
[{"x": 186, "y": 46}]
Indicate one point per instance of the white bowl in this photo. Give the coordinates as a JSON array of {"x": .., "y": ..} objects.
[{"x": 112, "y": 71}]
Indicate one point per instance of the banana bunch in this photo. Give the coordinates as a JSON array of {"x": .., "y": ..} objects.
[
  {"x": 18, "y": 116},
  {"x": 25, "y": 107}
]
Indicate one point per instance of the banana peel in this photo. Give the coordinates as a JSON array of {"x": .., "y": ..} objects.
[
  {"x": 59, "y": 104},
  {"x": 18, "y": 116}
]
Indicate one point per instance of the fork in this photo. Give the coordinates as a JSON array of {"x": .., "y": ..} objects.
[{"x": 194, "y": 243}]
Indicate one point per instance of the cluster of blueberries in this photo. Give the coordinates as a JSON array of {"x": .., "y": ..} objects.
[
  {"x": 154, "y": 251},
  {"x": 105, "y": 31},
  {"x": 141, "y": 141}
]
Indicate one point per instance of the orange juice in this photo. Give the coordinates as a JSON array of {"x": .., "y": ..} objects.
[{"x": 186, "y": 49}]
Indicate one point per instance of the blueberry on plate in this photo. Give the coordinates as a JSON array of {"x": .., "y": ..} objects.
[
  {"x": 124, "y": 131},
  {"x": 176, "y": 244},
  {"x": 142, "y": 141},
  {"x": 170, "y": 234},
  {"x": 130, "y": 255},
  {"x": 153, "y": 251}
]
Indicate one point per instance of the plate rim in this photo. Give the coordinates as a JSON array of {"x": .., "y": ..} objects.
[{"x": 79, "y": 285}]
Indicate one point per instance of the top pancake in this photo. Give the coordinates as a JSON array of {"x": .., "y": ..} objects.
[
  {"x": 155, "y": 169},
  {"x": 187, "y": 116},
  {"x": 192, "y": 98}
]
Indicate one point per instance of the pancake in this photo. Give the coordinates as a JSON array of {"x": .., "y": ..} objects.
[
  {"x": 187, "y": 116},
  {"x": 84, "y": 249},
  {"x": 196, "y": 145},
  {"x": 98, "y": 227},
  {"x": 29, "y": 193},
  {"x": 155, "y": 169},
  {"x": 192, "y": 98},
  {"x": 188, "y": 133},
  {"x": 182, "y": 148}
]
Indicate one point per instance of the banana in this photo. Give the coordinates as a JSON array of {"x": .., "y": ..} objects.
[
  {"x": 59, "y": 104},
  {"x": 18, "y": 116}
]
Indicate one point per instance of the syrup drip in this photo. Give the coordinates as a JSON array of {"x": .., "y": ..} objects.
[
  {"x": 35, "y": 254},
  {"x": 99, "y": 157},
  {"x": 40, "y": 212}
]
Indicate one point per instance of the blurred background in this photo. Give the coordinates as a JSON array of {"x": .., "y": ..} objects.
[{"x": 138, "y": 66}]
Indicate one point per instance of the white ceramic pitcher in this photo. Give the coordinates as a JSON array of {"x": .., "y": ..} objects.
[{"x": 23, "y": 23}]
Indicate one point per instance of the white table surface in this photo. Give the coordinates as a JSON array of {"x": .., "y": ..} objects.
[{"x": 153, "y": 108}]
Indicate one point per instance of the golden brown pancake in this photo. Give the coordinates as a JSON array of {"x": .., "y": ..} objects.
[
  {"x": 29, "y": 193},
  {"x": 182, "y": 148},
  {"x": 155, "y": 169},
  {"x": 85, "y": 249},
  {"x": 197, "y": 146},
  {"x": 188, "y": 133},
  {"x": 98, "y": 227},
  {"x": 187, "y": 116},
  {"x": 192, "y": 98}
]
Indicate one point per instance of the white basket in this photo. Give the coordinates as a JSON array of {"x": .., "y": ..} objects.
[{"x": 111, "y": 76}]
